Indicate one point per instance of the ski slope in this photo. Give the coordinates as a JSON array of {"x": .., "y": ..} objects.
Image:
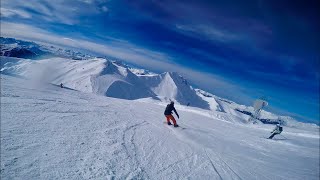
[{"x": 53, "y": 133}]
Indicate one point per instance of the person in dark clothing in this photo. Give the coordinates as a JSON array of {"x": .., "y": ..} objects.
[
  {"x": 277, "y": 130},
  {"x": 168, "y": 114},
  {"x": 61, "y": 85}
]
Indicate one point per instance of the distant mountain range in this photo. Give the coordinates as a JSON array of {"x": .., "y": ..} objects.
[{"x": 11, "y": 47}]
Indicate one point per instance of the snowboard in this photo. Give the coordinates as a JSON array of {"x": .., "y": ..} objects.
[{"x": 179, "y": 127}]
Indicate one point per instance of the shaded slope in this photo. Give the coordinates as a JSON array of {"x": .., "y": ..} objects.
[
  {"x": 171, "y": 85},
  {"x": 119, "y": 82}
]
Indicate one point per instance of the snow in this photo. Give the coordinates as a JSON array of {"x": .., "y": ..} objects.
[
  {"x": 96, "y": 75},
  {"x": 104, "y": 77},
  {"x": 214, "y": 105},
  {"x": 171, "y": 85},
  {"x": 167, "y": 87},
  {"x": 9, "y": 45},
  {"x": 48, "y": 132},
  {"x": 141, "y": 72}
]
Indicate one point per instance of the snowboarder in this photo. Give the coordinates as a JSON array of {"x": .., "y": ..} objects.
[
  {"x": 168, "y": 114},
  {"x": 277, "y": 130},
  {"x": 61, "y": 85}
]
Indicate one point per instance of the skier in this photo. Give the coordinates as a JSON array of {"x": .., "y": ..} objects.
[
  {"x": 168, "y": 114},
  {"x": 61, "y": 85},
  {"x": 277, "y": 130}
]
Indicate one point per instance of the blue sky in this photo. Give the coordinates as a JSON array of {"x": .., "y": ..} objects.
[{"x": 241, "y": 50}]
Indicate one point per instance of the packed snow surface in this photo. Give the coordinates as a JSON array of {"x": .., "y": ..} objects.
[{"x": 48, "y": 132}]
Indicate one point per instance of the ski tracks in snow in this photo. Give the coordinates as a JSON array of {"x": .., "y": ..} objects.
[
  {"x": 224, "y": 167},
  {"x": 129, "y": 133},
  {"x": 220, "y": 168},
  {"x": 212, "y": 164}
]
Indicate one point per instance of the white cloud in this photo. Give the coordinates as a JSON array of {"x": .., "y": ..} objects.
[
  {"x": 104, "y": 9},
  {"x": 118, "y": 49},
  {"x": 208, "y": 32},
  {"x": 87, "y": 1},
  {"x": 61, "y": 11},
  {"x": 11, "y": 12}
]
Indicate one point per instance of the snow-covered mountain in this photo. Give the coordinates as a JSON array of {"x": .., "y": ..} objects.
[
  {"x": 171, "y": 85},
  {"x": 97, "y": 76},
  {"x": 110, "y": 78},
  {"x": 245, "y": 112},
  {"x": 11, "y": 47},
  {"x": 104, "y": 77},
  {"x": 120, "y": 82}
]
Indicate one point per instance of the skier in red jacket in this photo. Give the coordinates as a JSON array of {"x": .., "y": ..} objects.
[{"x": 168, "y": 114}]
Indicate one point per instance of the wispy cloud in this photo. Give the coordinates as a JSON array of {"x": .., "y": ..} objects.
[
  {"x": 58, "y": 11},
  {"x": 118, "y": 49},
  {"x": 208, "y": 32},
  {"x": 13, "y": 13}
]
